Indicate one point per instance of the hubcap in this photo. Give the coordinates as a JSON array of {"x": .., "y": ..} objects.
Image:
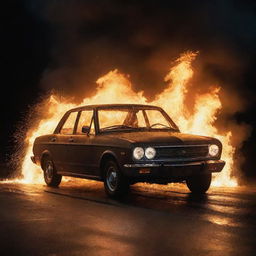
[
  {"x": 112, "y": 179},
  {"x": 49, "y": 171}
]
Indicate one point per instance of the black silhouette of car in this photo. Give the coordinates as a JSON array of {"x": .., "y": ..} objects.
[{"x": 122, "y": 144}]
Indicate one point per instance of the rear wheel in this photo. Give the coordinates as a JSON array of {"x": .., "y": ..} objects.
[
  {"x": 52, "y": 179},
  {"x": 199, "y": 184},
  {"x": 115, "y": 183}
]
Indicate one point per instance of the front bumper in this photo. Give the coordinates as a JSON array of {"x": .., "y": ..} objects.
[{"x": 171, "y": 171}]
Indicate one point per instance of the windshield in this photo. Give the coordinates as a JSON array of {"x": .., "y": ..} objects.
[{"x": 134, "y": 118}]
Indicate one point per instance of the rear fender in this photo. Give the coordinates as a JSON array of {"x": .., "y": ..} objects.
[{"x": 44, "y": 154}]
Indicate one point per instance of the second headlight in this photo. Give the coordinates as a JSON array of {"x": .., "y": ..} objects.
[{"x": 150, "y": 153}]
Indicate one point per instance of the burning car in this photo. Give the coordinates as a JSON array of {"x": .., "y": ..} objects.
[{"x": 122, "y": 144}]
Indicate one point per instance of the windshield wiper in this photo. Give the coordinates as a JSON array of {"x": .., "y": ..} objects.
[
  {"x": 172, "y": 129},
  {"x": 163, "y": 128},
  {"x": 117, "y": 127}
]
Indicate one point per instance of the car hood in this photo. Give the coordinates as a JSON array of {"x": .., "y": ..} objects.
[{"x": 163, "y": 138}]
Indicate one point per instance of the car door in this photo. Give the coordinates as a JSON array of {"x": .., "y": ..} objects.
[
  {"x": 81, "y": 148},
  {"x": 65, "y": 143}
]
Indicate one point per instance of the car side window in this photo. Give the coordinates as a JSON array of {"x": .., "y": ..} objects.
[
  {"x": 69, "y": 124},
  {"x": 85, "y": 121}
]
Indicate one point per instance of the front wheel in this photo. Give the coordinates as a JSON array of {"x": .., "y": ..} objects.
[
  {"x": 115, "y": 183},
  {"x": 52, "y": 179},
  {"x": 199, "y": 184}
]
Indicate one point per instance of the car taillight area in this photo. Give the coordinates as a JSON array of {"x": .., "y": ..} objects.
[{"x": 181, "y": 152}]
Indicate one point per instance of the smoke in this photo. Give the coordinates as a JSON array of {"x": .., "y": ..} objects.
[{"x": 90, "y": 38}]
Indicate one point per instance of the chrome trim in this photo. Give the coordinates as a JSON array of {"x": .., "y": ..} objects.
[
  {"x": 175, "y": 164},
  {"x": 188, "y": 164},
  {"x": 209, "y": 162},
  {"x": 215, "y": 162},
  {"x": 141, "y": 165},
  {"x": 180, "y": 159}
]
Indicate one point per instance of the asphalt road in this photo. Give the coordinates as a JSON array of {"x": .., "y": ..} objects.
[{"x": 78, "y": 219}]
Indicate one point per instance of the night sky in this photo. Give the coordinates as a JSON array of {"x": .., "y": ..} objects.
[{"x": 66, "y": 45}]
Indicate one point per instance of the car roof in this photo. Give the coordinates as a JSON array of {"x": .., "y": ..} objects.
[{"x": 106, "y": 106}]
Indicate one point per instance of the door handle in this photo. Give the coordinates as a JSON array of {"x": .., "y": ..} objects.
[
  {"x": 53, "y": 139},
  {"x": 71, "y": 140}
]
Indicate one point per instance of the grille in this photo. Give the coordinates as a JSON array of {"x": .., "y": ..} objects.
[{"x": 181, "y": 152}]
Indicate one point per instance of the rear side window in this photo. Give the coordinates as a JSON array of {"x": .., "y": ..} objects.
[{"x": 69, "y": 124}]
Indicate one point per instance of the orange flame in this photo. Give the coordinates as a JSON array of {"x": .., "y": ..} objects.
[{"x": 115, "y": 87}]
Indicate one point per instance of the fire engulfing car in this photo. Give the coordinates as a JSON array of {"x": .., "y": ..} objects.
[{"x": 124, "y": 144}]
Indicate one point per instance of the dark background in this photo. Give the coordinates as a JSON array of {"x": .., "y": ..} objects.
[{"x": 66, "y": 45}]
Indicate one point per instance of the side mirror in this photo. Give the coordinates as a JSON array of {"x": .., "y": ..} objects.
[{"x": 85, "y": 129}]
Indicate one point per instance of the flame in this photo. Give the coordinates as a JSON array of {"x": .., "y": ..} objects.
[{"x": 115, "y": 87}]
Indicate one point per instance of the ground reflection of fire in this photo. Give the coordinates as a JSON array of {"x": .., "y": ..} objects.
[{"x": 115, "y": 87}]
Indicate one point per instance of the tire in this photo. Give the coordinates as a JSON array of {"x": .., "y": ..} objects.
[
  {"x": 199, "y": 184},
  {"x": 115, "y": 183},
  {"x": 52, "y": 179}
]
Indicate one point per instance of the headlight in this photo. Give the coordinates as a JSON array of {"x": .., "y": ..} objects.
[
  {"x": 138, "y": 153},
  {"x": 213, "y": 150},
  {"x": 150, "y": 153}
]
